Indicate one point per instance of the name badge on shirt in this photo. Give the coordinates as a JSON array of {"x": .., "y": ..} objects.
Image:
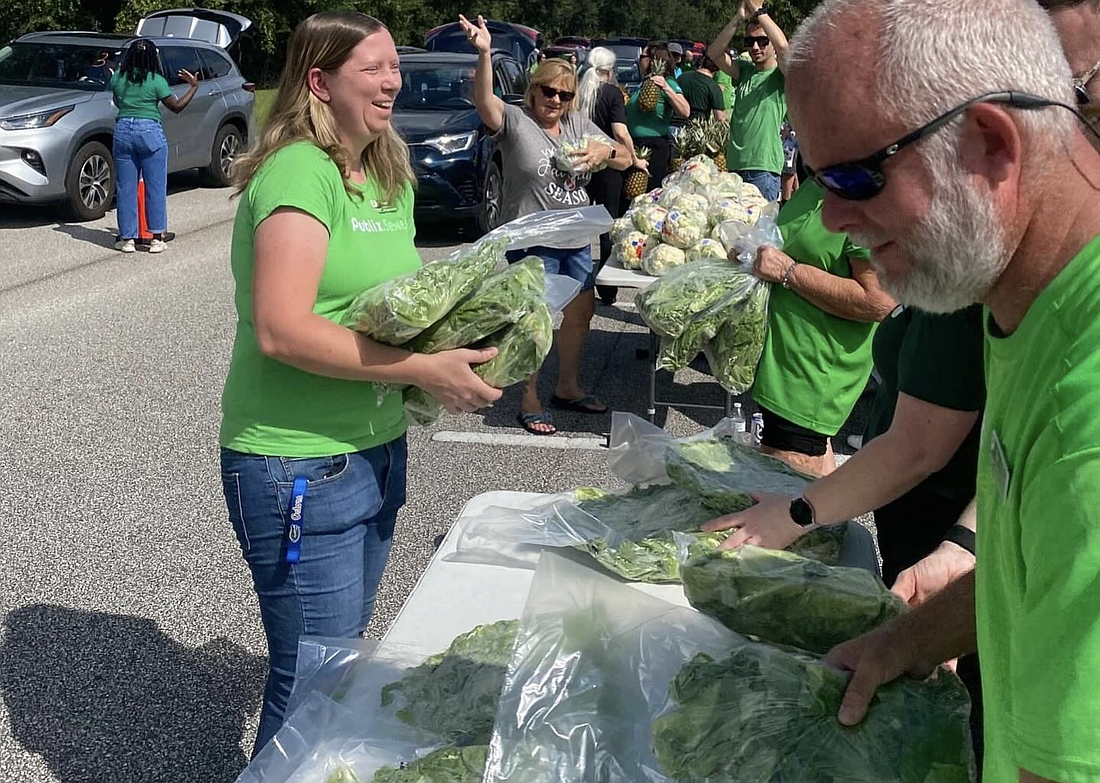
[{"x": 1001, "y": 472}]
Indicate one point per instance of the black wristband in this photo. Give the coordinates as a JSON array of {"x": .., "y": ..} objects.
[{"x": 963, "y": 536}]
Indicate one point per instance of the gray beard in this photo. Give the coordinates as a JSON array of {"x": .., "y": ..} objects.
[{"x": 957, "y": 251}]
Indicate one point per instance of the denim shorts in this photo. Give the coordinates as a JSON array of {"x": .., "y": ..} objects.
[{"x": 576, "y": 263}]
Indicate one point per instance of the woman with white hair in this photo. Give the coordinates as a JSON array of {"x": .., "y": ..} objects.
[{"x": 599, "y": 98}]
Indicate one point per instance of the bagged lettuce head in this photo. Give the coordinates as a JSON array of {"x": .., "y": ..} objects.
[
  {"x": 705, "y": 248},
  {"x": 660, "y": 258},
  {"x": 684, "y": 229},
  {"x": 650, "y": 219},
  {"x": 629, "y": 249}
]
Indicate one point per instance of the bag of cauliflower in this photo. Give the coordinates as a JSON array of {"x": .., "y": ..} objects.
[
  {"x": 706, "y": 248},
  {"x": 650, "y": 219},
  {"x": 726, "y": 185},
  {"x": 683, "y": 229},
  {"x": 566, "y": 163},
  {"x": 623, "y": 226},
  {"x": 628, "y": 249},
  {"x": 652, "y": 197},
  {"x": 670, "y": 192},
  {"x": 659, "y": 258},
  {"x": 726, "y": 209},
  {"x": 692, "y": 202}
]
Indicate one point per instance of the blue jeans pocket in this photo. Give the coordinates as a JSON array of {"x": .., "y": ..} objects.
[{"x": 146, "y": 141}]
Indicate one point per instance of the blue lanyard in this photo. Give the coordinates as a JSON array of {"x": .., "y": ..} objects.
[{"x": 294, "y": 526}]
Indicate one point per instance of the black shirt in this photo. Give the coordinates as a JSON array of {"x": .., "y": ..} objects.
[
  {"x": 703, "y": 96},
  {"x": 609, "y": 108}
]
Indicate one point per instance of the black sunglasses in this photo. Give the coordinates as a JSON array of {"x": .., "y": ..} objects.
[
  {"x": 760, "y": 40},
  {"x": 859, "y": 180},
  {"x": 550, "y": 92}
]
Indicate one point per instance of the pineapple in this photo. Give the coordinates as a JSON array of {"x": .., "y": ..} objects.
[
  {"x": 717, "y": 136},
  {"x": 650, "y": 93},
  {"x": 681, "y": 147},
  {"x": 636, "y": 181}
]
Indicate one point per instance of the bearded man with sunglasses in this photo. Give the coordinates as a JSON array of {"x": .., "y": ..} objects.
[
  {"x": 755, "y": 149},
  {"x": 971, "y": 179}
]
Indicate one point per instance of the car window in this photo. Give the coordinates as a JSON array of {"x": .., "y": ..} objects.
[
  {"x": 513, "y": 81},
  {"x": 214, "y": 65},
  {"x": 175, "y": 58},
  {"x": 36, "y": 64},
  {"x": 426, "y": 85}
]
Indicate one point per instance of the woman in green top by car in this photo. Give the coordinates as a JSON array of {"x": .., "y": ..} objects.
[
  {"x": 140, "y": 147},
  {"x": 312, "y": 461}
]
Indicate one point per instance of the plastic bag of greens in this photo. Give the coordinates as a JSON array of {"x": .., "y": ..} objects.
[
  {"x": 561, "y": 228},
  {"x": 763, "y": 714},
  {"x": 674, "y": 301},
  {"x": 521, "y": 349},
  {"x": 399, "y": 309},
  {"x": 450, "y": 764},
  {"x": 659, "y": 258},
  {"x": 650, "y": 219},
  {"x": 783, "y": 598},
  {"x": 629, "y": 249},
  {"x": 678, "y": 352},
  {"x": 684, "y": 229},
  {"x": 593, "y": 664},
  {"x": 501, "y": 299},
  {"x": 734, "y": 352},
  {"x": 563, "y": 155},
  {"x": 706, "y": 248}
]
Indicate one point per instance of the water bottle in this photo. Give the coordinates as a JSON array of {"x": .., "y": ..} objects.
[{"x": 738, "y": 418}]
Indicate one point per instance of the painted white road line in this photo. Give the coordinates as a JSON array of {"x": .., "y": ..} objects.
[{"x": 535, "y": 441}]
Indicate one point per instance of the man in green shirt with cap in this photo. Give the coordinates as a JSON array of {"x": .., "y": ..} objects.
[
  {"x": 755, "y": 150},
  {"x": 965, "y": 191}
]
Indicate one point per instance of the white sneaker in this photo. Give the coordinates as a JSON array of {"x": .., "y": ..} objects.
[
  {"x": 157, "y": 245},
  {"x": 126, "y": 245}
]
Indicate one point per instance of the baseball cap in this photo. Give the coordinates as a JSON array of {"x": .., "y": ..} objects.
[{"x": 675, "y": 48}]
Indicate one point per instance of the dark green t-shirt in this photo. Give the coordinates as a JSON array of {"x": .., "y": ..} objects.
[
  {"x": 815, "y": 365},
  {"x": 703, "y": 96},
  {"x": 937, "y": 359},
  {"x": 140, "y": 101}
]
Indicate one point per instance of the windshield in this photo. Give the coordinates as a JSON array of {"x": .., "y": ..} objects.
[
  {"x": 57, "y": 65},
  {"x": 626, "y": 71},
  {"x": 431, "y": 85}
]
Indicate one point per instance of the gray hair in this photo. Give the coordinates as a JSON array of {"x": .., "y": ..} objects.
[
  {"x": 599, "y": 59},
  {"x": 993, "y": 45}
]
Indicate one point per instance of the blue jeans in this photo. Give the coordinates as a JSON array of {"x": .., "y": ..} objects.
[
  {"x": 575, "y": 263},
  {"x": 348, "y": 517},
  {"x": 141, "y": 148},
  {"x": 766, "y": 181}
]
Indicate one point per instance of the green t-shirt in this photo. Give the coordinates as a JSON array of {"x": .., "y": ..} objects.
[
  {"x": 725, "y": 84},
  {"x": 141, "y": 101},
  {"x": 759, "y": 108},
  {"x": 703, "y": 96},
  {"x": 269, "y": 407},
  {"x": 937, "y": 359},
  {"x": 650, "y": 124},
  {"x": 1038, "y": 572},
  {"x": 814, "y": 365}
]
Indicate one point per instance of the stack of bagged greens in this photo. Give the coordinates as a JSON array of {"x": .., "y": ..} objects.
[
  {"x": 521, "y": 349},
  {"x": 784, "y": 598},
  {"x": 768, "y": 715}
]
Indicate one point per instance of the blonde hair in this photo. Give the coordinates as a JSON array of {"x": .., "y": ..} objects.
[
  {"x": 324, "y": 40},
  {"x": 550, "y": 71}
]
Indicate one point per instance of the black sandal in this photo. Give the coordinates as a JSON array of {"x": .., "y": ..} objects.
[{"x": 526, "y": 421}]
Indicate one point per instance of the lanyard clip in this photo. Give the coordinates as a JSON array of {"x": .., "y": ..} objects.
[{"x": 294, "y": 523}]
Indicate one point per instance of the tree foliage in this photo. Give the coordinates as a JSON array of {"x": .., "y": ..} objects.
[{"x": 261, "y": 55}]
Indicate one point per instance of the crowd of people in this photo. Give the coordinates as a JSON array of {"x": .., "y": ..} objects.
[{"x": 947, "y": 233}]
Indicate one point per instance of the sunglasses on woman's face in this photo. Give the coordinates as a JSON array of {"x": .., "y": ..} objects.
[
  {"x": 550, "y": 92},
  {"x": 859, "y": 180},
  {"x": 760, "y": 40}
]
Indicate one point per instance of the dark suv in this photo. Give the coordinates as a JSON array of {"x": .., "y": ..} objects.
[{"x": 458, "y": 168}]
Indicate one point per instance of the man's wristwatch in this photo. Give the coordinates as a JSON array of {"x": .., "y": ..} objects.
[
  {"x": 802, "y": 512},
  {"x": 962, "y": 536}
]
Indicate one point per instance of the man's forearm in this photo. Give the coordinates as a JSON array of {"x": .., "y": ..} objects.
[
  {"x": 775, "y": 34},
  {"x": 944, "y": 627},
  {"x": 719, "y": 47},
  {"x": 843, "y": 297}
]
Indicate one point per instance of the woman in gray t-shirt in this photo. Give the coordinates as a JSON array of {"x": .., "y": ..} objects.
[{"x": 528, "y": 136}]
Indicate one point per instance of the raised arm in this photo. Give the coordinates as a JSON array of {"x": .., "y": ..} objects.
[
  {"x": 179, "y": 104},
  {"x": 719, "y": 47},
  {"x": 775, "y": 34},
  {"x": 489, "y": 106}
]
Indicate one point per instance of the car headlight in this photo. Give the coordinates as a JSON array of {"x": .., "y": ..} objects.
[
  {"x": 31, "y": 121},
  {"x": 458, "y": 142}
]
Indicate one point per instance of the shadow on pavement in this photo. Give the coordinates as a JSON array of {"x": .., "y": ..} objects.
[
  {"x": 104, "y": 237},
  {"x": 111, "y": 697}
]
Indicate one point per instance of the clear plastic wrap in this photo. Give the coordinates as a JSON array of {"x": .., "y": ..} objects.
[
  {"x": 521, "y": 349},
  {"x": 704, "y": 249},
  {"x": 563, "y": 155},
  {"x": 399, "y": 309},
  {"x": 561, "y": 228},
  {"x": 629, "y": 249},
  {"x": 623, "y": 226},
  {"x": 726, "y": 209},
  {"x": 727, "y": 184},
  {"x": 693, "y": 203},
  {"x": 735, "y": 350},
  {"x": 593, "y": 663},
  {"x": 649, "y": 219},
  {"x": 784, "y": 598},
  {"x": 763, "y": 714},
  {"x": 660, "y": 258},
  {"x": 672, "y": 303},
  {"x": 684, "y": 229},
  {"x": 327, "y": 665}
]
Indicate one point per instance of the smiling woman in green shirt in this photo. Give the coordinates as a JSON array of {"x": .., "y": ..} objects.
[{"x": 313, "y": 462}]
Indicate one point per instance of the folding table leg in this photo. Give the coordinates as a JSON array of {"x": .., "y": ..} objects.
[{"x": 651, "y": 411}]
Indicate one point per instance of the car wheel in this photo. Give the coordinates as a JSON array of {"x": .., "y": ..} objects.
[
  {"x": 227, "y": 145},
  {"x": 90, "y": 182},
  {"x": 492, "y": 197}
]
